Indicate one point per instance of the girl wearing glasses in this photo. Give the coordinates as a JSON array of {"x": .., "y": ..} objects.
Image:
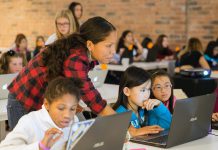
[
  {"x": 149, "y": 116},
  {"x": 65, "y": 25},
  {"x": 162, "y": 89}
]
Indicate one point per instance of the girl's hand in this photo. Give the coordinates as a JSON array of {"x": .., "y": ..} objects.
[
  {"x": 51, "y": 137},
  {"x": 145, "y": 130},
  {"x": 215, "y": 117},
  {"x": 151, "y": 129},
  {"x": 150, "y": 104}
]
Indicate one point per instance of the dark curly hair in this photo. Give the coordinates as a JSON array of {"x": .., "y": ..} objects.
[
  {"x": 95, "y": 29},
  {"x": 61, "y": 86}
]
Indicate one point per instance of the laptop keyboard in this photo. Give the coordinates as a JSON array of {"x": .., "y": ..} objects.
[{"x": 161, "y": 139}]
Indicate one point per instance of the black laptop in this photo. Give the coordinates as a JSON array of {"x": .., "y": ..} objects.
[
  {"x": 102, "y": 133},
  {"x": 191, "y": 121}
]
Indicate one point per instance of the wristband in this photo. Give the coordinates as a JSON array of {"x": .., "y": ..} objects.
[{"x": 42, "y": 146}]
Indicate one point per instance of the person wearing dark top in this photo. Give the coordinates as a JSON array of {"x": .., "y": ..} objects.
[
  {"x": 191, "y": 58},
  {"x": 129, "y": 47},
  {"x": 192, "y": 55},
  {"x": 21, "y": 46},
  {"x": 211, "y": 54},
  {"x": 40, "y": 44},
  {"x": 161, "y": 47},
  {"x": 77, "y": 11},
  {"x": 147, "y": 43}
]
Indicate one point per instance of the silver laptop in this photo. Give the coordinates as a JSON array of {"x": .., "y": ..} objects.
[
  {"x": 98, "y": 77},
  {"x": 191, "y": 121},
  {"x": 5, "y": 80},
  {"x": 104, "y": 133}
]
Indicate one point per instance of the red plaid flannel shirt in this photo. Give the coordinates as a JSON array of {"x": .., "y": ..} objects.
[{"x": 30, "y": 84}]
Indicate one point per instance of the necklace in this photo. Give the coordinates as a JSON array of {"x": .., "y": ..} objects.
[
  {"x": 141, "y": 122},
  {"x": 135, "y": 111}
]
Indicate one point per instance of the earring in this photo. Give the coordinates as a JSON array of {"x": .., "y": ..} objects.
[{"x": 89, "y": 55}]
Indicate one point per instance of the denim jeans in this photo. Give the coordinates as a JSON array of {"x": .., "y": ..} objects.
[{"x": 15, "y": 111}]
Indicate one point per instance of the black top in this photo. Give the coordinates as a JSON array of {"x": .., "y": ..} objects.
[
  {"x": 128, "y": 53},
  {"x": 191, "y": 58}
]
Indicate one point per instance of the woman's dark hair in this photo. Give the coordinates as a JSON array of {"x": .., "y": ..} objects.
[
  {"x": 61, "y": 86},
  {"x": 160, "y": 41},
  {"x": 95, "y": 29},
  {"x": 72, "y": 7},
  {"x": 210, "y": 47},
  {"x": 162, "y": 73},
  {"x": 132, "y": 77},
  {"x": 121, "y": 40},
  {"x": 145, "y": 42},
  {"x": 19, "y": 38}
]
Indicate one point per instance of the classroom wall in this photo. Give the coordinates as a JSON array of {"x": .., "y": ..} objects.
[{"x": 179, "y": 19}]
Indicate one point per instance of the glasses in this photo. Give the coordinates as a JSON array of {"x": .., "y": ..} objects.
[
  {"x": 160, "y": 88},
  {"x": 66, "y": 24},
  {"x": 11, "y": 52}
]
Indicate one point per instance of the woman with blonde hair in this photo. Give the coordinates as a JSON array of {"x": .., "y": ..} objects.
[
  {"x": 193, "y": 55},
  {"x": 65, "y": 25}
]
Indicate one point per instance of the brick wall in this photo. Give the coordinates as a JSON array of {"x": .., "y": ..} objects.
[{"x": 179, "y": 19}]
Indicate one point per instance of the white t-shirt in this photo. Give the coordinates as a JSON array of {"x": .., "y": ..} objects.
[
  {"x": 31, "y": 129},
  {"x": 51, "y": 39}
]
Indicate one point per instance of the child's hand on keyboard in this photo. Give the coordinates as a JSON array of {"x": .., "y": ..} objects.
[
  {"x": 145, "y": 130},
  {"x": 215, "y": 117}
]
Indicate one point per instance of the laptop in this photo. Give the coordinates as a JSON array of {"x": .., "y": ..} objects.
[
  {"x": 191, "y": 121},
  {"x": 102, "y": 133},
  {"x": 5, "y": 80},
  {"x": 97, "y": 77}
]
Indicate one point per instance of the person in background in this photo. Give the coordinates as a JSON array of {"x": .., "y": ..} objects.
[
  {"x": 147, "y": 45},
  {"x": 211, "y": 55},
  {"x": 49, "y": 127},
  {"x": 40, "y": 44},
  {"x": 72, "y": 57},
  {"x": 193, "y": 55},
  {"x": 162, "y": 89},
  {"x": 12, "y": 62},
  {"x": 129, "y": 47},
  {"x": 22, "y": 46},
  {"x": 149, "y": 116},
  {"x": 161, "y": 47},
  {"x": 65, "y": 25},
  {"x": 77, "y": 11}
]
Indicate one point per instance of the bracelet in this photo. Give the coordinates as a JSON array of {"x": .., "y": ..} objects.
[{"x": 42, "y": 146}]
